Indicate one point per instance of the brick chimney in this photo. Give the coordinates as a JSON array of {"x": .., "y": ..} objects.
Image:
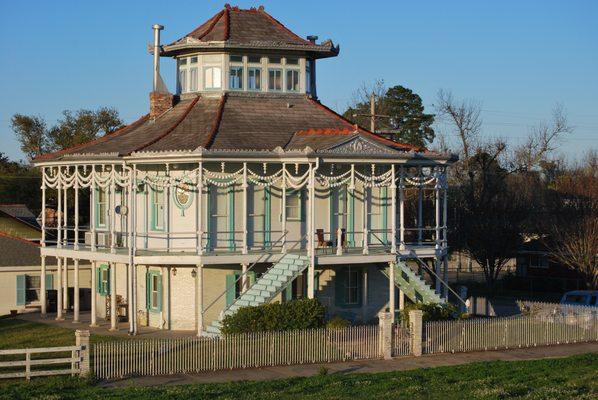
[{"x": 159, "y": 103}]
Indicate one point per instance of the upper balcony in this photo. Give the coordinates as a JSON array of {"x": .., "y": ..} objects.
[{"x": 230, "y": 212}]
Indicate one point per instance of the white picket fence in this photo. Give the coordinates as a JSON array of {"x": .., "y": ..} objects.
[
  {"x": 509, "y": 332},
  {"x": 27, "y": 363},
  {"x": 401, "y": 341},
  {"x": 149, "y": 357}
]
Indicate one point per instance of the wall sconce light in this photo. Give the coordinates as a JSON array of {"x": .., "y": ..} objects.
[
  {"x": 174, "y": 271},
  {"x": 193, "y": 273}
]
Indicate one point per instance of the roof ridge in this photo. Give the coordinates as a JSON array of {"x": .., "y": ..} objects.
[
  {"x": 107, "y": 136},
  {"x": 211, "y": 23},
  {"x": 365, "y": 131},
  {"x": 172, "y": 128},
  {"x": 216, "y": 125},
  {"x": 282, "y": 26},
  {"x": 29, "y": 242},
  {"x": 227, "y": 24}
]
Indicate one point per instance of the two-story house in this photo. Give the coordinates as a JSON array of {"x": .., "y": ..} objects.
[{"x": 242, "y": 188}]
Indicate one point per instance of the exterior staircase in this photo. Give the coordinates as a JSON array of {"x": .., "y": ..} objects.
[
  {"x": 266, "y": 287},
  {"x": 414, "y": 287}
]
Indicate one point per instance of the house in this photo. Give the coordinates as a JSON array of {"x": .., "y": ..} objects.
[
  {"x": 18, "y": 220},
  {"x": 243, "y": 188},
  {"x": 20, "y": 278}
]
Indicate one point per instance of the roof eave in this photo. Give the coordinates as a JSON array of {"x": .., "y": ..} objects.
[{"x": 316, "y": 51}]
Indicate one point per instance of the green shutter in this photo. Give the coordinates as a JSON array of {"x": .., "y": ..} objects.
[
  {"x": 159, "y": 305},
  {"x": 99, "y": 281},
  {"x": 20, "y": 290},
  {"x": 231, "y": 288},
  {"x": 148, "y": 304},
  {"x": 109, "y": 280},
  {"x": 49, "y": 282},
  {"x": 251, "y": 275}
]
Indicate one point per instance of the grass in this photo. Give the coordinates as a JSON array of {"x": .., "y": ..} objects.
[
  {"x": 19, "y": 334},
  {"x": 565, "y": 378}
]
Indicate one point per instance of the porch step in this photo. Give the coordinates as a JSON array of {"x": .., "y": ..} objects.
[
  {"x": 265, "y": 288},
  {"x": 414, "y": 287}
]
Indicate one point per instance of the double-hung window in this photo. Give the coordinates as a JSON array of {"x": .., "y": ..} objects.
[
  {"x": 212, "y": 78},
  {"x": 101, "y": 208},
  {"x": 275, "y": 79},
  {"x": 154, "y": 291},
  {"x": 292, "y": 80},
  {"x": 182, "y": 81},
  {"x": 293, "y": 205},
  {"x": 235, "y": 78},
  {"x": 158, "y": 209},
  {"x": 349, "y": 286},
  {"x": 254, "y": 78}
]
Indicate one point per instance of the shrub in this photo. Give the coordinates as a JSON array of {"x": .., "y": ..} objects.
[
  {"x": 432, "y": 312},
  {"x": 337, "y": 323},
  {"x": 294, "y": 314}
]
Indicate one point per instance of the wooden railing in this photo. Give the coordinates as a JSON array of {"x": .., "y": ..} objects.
[{"x": 55, "y": 362}]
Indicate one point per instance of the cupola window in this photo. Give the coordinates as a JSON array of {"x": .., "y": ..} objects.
[
  {"x": 235, "y": 78},
  {"x": 254, "y": 78},
  {"x": 212, "y": 78},
  {"x": 292, "y": 80},
  {"x": 275, "y": 79}
]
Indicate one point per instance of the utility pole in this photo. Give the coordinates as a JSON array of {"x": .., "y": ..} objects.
[{"x": 372, "y": 115}]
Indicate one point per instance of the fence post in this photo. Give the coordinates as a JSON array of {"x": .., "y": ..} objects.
[
  {"x": 385, "y": 321},
  {"x": 415, "y": 331},
  {"x": 82, "y": 341}
]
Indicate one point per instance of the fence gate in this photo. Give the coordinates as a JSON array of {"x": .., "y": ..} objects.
[{"x": 401, "y": 341}]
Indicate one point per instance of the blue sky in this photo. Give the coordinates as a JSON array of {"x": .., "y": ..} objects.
[{"x": 518, "y": 58}]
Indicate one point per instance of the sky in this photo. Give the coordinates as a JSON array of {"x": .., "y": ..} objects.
[{"x": 518, "y": 59}]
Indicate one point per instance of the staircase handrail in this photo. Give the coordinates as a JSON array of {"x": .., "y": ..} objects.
[
  {"x": 249, "y": 268},
  {"x": 421, "y": 262}
]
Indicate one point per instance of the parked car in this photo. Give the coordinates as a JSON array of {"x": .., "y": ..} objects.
[{"x": 581, "y": 298}]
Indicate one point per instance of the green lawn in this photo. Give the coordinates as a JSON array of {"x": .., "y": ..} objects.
[
  {"x": 567, "y": 378},
  {"x": 19, "y": 334}
]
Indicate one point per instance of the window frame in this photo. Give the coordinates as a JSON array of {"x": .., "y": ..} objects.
[
  {"x": 98, "y": 207},
  {"x": 253, "y": 68},
  {"x": 281, "y": 72},
  {"x": 298, "y": 81},
  {"x": 153, "y": 203},
  {"x": 154, "y": 277},
  {"x": 240, "y": 78},
  {"x": 205, "y": 83},
  {"x": 103, "y": 286},
  {"x": 299, "y": 196}
]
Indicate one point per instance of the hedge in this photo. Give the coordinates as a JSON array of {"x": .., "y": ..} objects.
[{"x": 294, "y": 314}]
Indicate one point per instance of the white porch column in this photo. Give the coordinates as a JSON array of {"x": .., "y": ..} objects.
[
  {"x": 393, "y": 211},
  {"x": 167, "y": 207},
  {"x": 445, "y": 276},
  {"x": 244, "y": 278},
  {"x": 199, "y": 285},
  {"x": 43, "y": 188},
  {"x": 310, "y": 235},
  {"x": 437, "y": 211},
  {"x": 283, "y": 210},
  {"x": 43, "y": 285},
  {"x": 131, "y": 314},
  {"x": 401, "y": 300},
  {"x": 111, "y": 211},
  {"x": 94, "y": 288},
  {"x": 92, "y": 207},
  {"x": 76, "y": 292},
  {"x": 199, "y": 209},
  {"x": 65, "y": 284},
  {"x": 59, "y": 289},
  {"x": 66, "y": 223},
  {"x": 244, "y": 187},
  {"x": 391, "y": 290},
  {"x": 365, "y": 218},
  {"x": 113, "y": 319},
  {"x": 437, "y": 262},
  {"x": 445, "y": 212},
  {"x": 420, "y": 209},
  {"x": 76, "y": 225},
  {"x": 402, "y": 210},
  {"x": 59, "y": 212}
]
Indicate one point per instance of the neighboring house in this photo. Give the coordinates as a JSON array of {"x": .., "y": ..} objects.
[
  {"x": 20, "y": 278},
  {"x": 18, "y": 220},
  {"x": 534, "y": 262},
  {"x": 242, "y": 188}
]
